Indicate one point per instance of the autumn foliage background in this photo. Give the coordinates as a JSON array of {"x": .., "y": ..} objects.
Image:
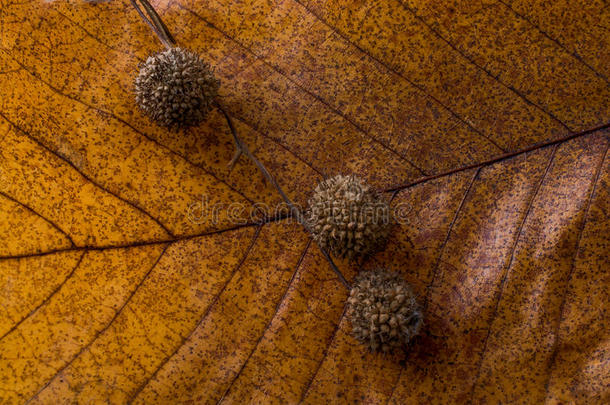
[{"x": 489, "y": 119}]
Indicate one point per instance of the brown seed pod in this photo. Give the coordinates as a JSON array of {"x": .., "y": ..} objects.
[
  {"x": 383, "y": 310},
  {"x": 347, "y": 217},
  {"x": 176, "y": 88}
]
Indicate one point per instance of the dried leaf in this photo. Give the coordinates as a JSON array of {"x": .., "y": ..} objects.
[{"x": 132, "y": 270}]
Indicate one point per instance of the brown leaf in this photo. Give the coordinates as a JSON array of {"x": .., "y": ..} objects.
[{"x": 134, "y": 267}]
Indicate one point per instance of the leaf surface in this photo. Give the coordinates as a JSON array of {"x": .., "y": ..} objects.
[{"x": 135, "y": 267}]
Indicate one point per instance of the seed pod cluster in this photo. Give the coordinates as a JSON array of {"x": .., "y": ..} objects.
[
  {"x": 176, "y": 88},
  {"x": 383, "y": 310},
  {"x": 347, "y": 217}
]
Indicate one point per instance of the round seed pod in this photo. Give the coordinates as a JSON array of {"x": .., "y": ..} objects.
[
  {"x": 176, "y": 88},
  {"x": 347, "y": 217},
  {"x": 383, "y": 310}
]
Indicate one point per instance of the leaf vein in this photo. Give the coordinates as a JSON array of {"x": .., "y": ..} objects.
[
  {"x": 152, "y": 242},
  {"x": 46, "y": 299},
  {"x": 277, "y": 309},
  {"x": 401, "y": 75},
  {"x": 506, "y": 271},
  {"x": 555, "y": 349},
  {"x": 494, "y": 77},
  {"x": 50, "y": 222},
  {"x": 562, "y": 46},
  {"x": 438, "y": 263},
  {"x": 303, "y": 89},
  {"x": 85, "y": 176},
  {"x": 127, "y": 124},
  {"x": 101, "y": 331},
  {"x": 208, "y": 310},
  {"x": 309, "y": 384},
  {"x": 500, "y": 158}
]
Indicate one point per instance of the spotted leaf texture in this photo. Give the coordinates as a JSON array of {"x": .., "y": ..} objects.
[{"x": 135, "y": 267}]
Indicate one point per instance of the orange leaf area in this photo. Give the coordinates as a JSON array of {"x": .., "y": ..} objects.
[{"x": 136, "y": 267}]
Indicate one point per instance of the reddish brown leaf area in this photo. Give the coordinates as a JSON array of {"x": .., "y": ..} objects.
[{"x": 136, "y": 267}]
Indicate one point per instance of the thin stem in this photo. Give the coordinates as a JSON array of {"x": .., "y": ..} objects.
[
  {"x": 296, "y": 213},
  {"x": 154, "y": 22},
  {"x": 160, "y": 29}
]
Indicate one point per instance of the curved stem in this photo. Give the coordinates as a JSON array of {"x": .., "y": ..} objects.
[
  {"x": 154, "y": 22},
  {"x": 160, "y": 29},
  {"x": 241, "y": 147}
]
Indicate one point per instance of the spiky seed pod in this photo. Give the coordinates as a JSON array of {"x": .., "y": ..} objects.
[
  {"x": 383, "y": 310},
  {"x": 347, "y": 217},
  {"x": 176, "y": 88}
]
